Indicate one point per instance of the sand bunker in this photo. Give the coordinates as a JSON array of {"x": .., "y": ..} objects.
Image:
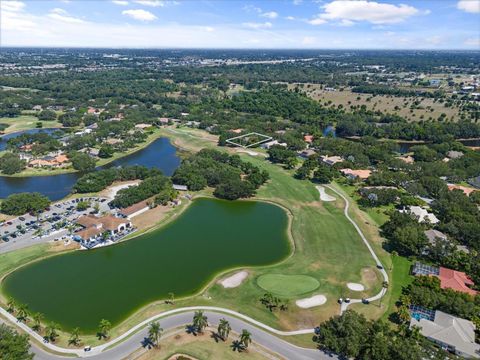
[
  {"x": 315, "y": 300},
  {"x": 323, "y": 195},
  {"x": 355, "y": 287},
  {"x": 234, "y": 280}
]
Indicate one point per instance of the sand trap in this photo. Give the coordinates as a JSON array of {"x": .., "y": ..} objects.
[
  {"x": 315, "y": 300},
  {"x": 234, "y": 280},
  {"x": 323, "y": 195},
  {"x": 355, "y": 287}
]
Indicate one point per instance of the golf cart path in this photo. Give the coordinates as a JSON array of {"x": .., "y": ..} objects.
[{"x": 380, "y": 267}]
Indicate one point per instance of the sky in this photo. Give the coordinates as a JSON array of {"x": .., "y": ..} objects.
[{"x": 267, "y": 24}]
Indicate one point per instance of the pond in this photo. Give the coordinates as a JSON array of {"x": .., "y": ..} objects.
[
  {"x": 81, "y": 288},
  {"x": 160, "y": 153}
]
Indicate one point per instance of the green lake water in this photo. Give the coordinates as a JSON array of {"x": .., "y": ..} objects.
[{"x": 83, "y": 287}]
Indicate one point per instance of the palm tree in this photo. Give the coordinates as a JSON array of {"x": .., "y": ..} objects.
[
  {"x": 22, "y": 312},
  {"x": 51, "y": 331},
  {"x": 11, "y": 305},
  {"x": 223, "y": 329},
  {"x": 200, "y": 321},
  {"x": 245, "y": 338},
  {"x": 403, "y": 314},
  {"x": 74, "y": 337},
  {"x": 37, "y": 319},
  {"x": 103, "y": 328},
  {"x": 171, "y": 297},
  {"x": 155, "y": 332}
]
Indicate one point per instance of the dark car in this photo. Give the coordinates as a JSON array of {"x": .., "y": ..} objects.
[{"x": 21, "y": 218}]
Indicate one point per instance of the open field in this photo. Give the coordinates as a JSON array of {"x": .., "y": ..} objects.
[
  {"x": 25, "y": 122},
  {"x": 385, "y": 103}
]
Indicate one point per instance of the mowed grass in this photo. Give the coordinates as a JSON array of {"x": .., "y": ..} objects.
[
  {"x": 401, "y": 278},
  {"x": 287, "y": 285},
  {"x": 25, "y": 122}
]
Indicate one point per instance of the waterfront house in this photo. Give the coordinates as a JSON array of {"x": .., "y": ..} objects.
[
  {"x": 451, "y": 333},
  {"x": 180, "y": 187}
]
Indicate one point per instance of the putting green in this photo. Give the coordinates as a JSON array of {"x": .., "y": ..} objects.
[{"x": 287, "y": 285}]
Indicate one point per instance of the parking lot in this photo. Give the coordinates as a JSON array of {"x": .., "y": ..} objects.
[{"x": 53, "y": 224}]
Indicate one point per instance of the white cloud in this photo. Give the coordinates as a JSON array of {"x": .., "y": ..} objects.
[
  {"x": 13, "y": 6},
  {"x": 317, "y": 21},
  {"x": 364, "y": 10},
  {"x": 270, "y": 14},
  {"x": 152, "y": 3},
  {"x": 208, "y": 29},
  {"x": 58, "y": 11},
  {"x": 471, "y": 6},
  {"x": 297, "y": 2},
  {"x": 120, "y": 2},
  {"x": 61, "y": 15},
  {"x": 254, "y": 25},
  {"x": 473, "y": 42},
  {"x": 139, "y": 14},
  {"x": 346, "y": 22},
  {"x": 291, "y": 18}
]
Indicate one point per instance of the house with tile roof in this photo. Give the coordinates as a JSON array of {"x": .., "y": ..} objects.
[{"x": 451, "y": 333}]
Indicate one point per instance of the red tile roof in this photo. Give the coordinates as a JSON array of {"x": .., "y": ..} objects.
[{"x": 455, "y": 280}]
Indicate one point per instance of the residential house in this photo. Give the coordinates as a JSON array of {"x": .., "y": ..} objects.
[
  {"x": 142, "y": 126},
  {"x": 421, "y": 214},
  {"x": 434, "y": 235},
  {"x": 308, "y": 138},
  {"x": 180, "y": 187},
  {"x": 356, "y": 174},
  {"x": 331, "y": 160},
  {"x": 466, "y": 190},
  {"x": 449, "y": 279},
  {"x": 307, "y": 153},
  {"x": 451, "y": 333},
  {"x": 452, "y": 154}
]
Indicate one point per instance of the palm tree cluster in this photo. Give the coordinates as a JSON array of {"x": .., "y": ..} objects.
[{"x": 103, "y": 329}]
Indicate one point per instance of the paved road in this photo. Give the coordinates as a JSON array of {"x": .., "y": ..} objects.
[
  {"x": 259, "y": 336},
  {"x": 382, "y": 292}
]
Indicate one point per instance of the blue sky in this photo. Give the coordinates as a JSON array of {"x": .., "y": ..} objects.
[{"x": 359, "y": 24}]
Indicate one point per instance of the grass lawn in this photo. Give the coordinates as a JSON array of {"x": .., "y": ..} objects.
[
  {"x": 202, "y": 347},
  {"x": 25, "y": 122},
  {"x": 401, "y": 277},
  {"x": 287, "y": 285}
]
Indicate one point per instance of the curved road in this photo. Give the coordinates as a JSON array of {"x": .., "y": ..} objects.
[{"x": 134, "y": 342}]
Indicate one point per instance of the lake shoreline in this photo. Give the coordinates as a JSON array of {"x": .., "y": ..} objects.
[{"x": 102, "y": 162}]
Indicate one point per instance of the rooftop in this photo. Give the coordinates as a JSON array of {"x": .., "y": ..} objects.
[{"x": 453, "y": 331}]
